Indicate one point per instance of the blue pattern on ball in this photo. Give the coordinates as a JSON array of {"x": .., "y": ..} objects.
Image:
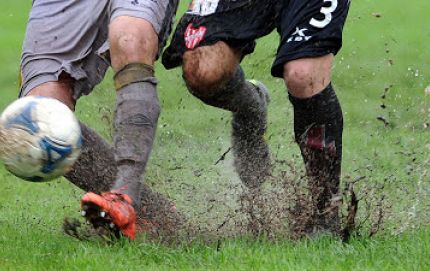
[
  {"x": 25, "y": 120},
  {"x": 51, "y": 147}
]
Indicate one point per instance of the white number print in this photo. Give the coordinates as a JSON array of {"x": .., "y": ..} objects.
[
  {"x": 327, "y": 11},
  {"x": 203, "y": 7}
]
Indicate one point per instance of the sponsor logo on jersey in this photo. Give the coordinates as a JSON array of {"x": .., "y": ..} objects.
[
  {"x": 299, "y": 35},
  {"x": 202, "y": 7},
  {"x": 193, "y": 36}
]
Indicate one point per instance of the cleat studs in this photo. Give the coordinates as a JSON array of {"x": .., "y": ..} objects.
[
  {"x": 111, "y": 225},
  {"x": 102, "y": 214},
  {"x": 83, "y": 213}
]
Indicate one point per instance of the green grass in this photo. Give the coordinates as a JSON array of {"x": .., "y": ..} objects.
[
  {"x": 390, "y": 51},
  {"x": 407, "y": 252}
]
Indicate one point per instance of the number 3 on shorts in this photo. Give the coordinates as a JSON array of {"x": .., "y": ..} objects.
[{"x": 327, "y": 11}]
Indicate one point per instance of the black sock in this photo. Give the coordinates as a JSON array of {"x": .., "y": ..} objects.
[
  {"x": 236, "y": 95},
  {"x": 248, "y": 103},
  {"x": 318, "y": 126}
]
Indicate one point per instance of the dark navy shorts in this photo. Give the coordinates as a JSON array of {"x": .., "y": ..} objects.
[{"x": 307, "y": 28}]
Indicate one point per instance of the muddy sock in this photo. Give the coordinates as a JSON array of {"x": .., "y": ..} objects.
[
  {"x": 318, "y": 126},
  {"x": 251, "y": 152},
  {"x": 95, "y": 170},
  {"x": 136, "y": 116},
  {"x": 248, "y": 103},
  {"x": 238, "y": 96},
  {"x": 249, "y": 123}
]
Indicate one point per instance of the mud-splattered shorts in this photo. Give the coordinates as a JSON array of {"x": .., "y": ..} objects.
[
  {"x": 70, "y": 36},
  {"x": 307, "y": 28}
]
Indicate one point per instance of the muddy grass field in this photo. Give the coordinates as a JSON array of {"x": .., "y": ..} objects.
[{"x": 380, "y": 76}]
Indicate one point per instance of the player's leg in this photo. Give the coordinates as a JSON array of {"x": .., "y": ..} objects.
[
  {"x": 133, "y": 52},
  {"x": 304, "y": 60},
  {"x": 61, "y": 90},
  {"x": 210, "y": 63},
  {"x": 318, "y": 126},
  {"x": 133, "y": 47},
  {"x": 212, "y": 74},
  {"x": 134, "y": 44}
]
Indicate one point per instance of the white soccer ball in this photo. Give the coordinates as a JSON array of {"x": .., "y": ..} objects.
[{"x": 40, "y": 138}]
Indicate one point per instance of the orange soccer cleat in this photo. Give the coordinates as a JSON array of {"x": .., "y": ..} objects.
[{"x": 111, "y": 209}]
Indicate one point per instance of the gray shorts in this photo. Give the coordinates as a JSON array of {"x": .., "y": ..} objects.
[{"x": 70, "y": 36}]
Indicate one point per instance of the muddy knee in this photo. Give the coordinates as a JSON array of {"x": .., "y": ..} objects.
[
  {"x": 308, "y": 76},
  {"x": 132, "y": 40},
  {"x": 207, "y": 69}
]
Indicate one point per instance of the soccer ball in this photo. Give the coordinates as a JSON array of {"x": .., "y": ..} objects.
[{"x": 40, "y": 138}]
